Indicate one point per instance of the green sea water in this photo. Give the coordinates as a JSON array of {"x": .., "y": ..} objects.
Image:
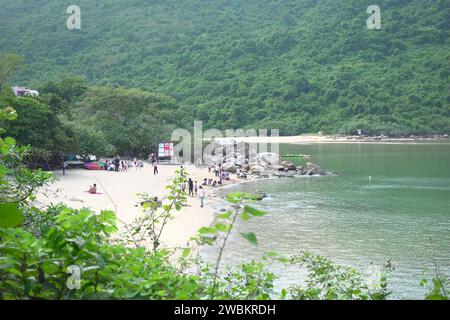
[{"x": 354, "y": 220}]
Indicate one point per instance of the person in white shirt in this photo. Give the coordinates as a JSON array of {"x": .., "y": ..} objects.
[{"x": 201, "y": 195}]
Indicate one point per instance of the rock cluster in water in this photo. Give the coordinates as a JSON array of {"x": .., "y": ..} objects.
[{"x": 268, "y": 164}]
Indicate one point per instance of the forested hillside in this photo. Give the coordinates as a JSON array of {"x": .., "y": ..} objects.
[{"x": 298, "y": 65}]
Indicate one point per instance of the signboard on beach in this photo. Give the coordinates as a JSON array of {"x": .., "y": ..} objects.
[{"x": 166, "y": 150}]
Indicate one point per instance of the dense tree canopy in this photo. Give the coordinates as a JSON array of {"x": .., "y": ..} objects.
[{"x": 298, "y": 65}]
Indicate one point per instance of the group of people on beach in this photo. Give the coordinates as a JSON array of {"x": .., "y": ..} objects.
[
  {"x": 218, "y": 173},
  {"x": 123, "y": 165},
  {"x": 194, "y": 190}
]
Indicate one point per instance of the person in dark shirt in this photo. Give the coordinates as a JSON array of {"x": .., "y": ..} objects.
[{"x": 191, "y": 187}]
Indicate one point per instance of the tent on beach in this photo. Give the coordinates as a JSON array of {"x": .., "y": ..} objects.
[{"x": 95, "y": 165}]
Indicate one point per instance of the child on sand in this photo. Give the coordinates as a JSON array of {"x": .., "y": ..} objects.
[{"x": 93, "y": 189}]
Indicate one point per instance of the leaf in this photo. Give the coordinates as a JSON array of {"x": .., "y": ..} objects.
[
  {"x": 225, "y": 215},
  {"x": 9, "y": 141},
  {"x": 98, "y": 258},
  {"x": 3, "y": 171},
  {"x": 245, "y": 216},
  {"x": 186, "y": 253},
  {"x": 233, "y": 197},
  {"x": 206, "y": 230},
  {"x": 10, "y": 215},
  {"x": 254, "y": 212},
  {"x": 251, "y": 237},
  {"x": 221, "y": 227}
]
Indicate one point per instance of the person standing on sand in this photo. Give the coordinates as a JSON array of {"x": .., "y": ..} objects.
[
  {"x": 216, "y": 170},
  {"x": 155, "y": 167},
  {"x": 182, "y": 171},
  {"x": 65, "y": 164},
  {"x": 201, "y": 195},
  {"x": 116, "y": 164},
  {"x": 191, "y": 187},
  {"x": 195, "y": 188}
]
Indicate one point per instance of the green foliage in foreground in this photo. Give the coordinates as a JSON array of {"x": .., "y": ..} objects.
[
  {"x": 61, "y": 253},
  {"x": 297, "y": 65},
  {"x": 37, "y": 267},
  {"x": 34, "y": 267}
]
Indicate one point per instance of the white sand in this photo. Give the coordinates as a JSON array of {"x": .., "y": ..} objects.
[{"x": 123, "y": 187}]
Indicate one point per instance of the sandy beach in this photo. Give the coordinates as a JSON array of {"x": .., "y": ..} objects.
[{"x": 122, "y": 188}]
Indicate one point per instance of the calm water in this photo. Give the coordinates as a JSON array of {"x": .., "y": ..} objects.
[{"x": 355, "y": 221}]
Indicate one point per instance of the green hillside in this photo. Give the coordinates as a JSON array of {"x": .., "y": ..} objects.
[{"x": 298, "y": 65}]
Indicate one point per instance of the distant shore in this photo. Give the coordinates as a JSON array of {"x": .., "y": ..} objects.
[{"x": 313, "y": 139}]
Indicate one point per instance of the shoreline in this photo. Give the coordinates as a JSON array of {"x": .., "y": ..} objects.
[
  {"x": 336, "y": 139},
  {"x": 118, "y": 192}
]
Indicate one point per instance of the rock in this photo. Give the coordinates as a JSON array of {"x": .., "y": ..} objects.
[
  {"x": 245, "y": 167},
  {"x": 229, "y": 167},
  {"x": 312, "y": 172},
  {"x": 310, "y": 166},
  {"x": 268, "y": 157},
  {"x": 240, "y": 160},
  {"x": 212, "y": 160},
  {"x": 260, "y": 195},
  {"x": 289, "y": 166},
  {"x": 263, "y": 164},
  {"x": 257, "y": 169},
  {"x": 285, "y": 174},
  {"x": 278, "y": 168},
  {"x": 312, "y": 169}
]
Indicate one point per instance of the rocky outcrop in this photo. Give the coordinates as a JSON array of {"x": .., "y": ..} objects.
[
  {"x": 285, "y": 169},
  {"x": 312, "y": 169},
  {"x": 229, "y": 167},
  {"x": 289, "y": 166},
  {"x": 245, "y": 161},
  {"x": 267, "y": 158},
  {"x": 257, "y": 169}
]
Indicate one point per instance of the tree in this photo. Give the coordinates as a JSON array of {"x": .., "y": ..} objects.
[
  {"x": 8, "y": 63},
  {"x": 68, "y": 87},
  {"x": 128, "y": 118}
]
